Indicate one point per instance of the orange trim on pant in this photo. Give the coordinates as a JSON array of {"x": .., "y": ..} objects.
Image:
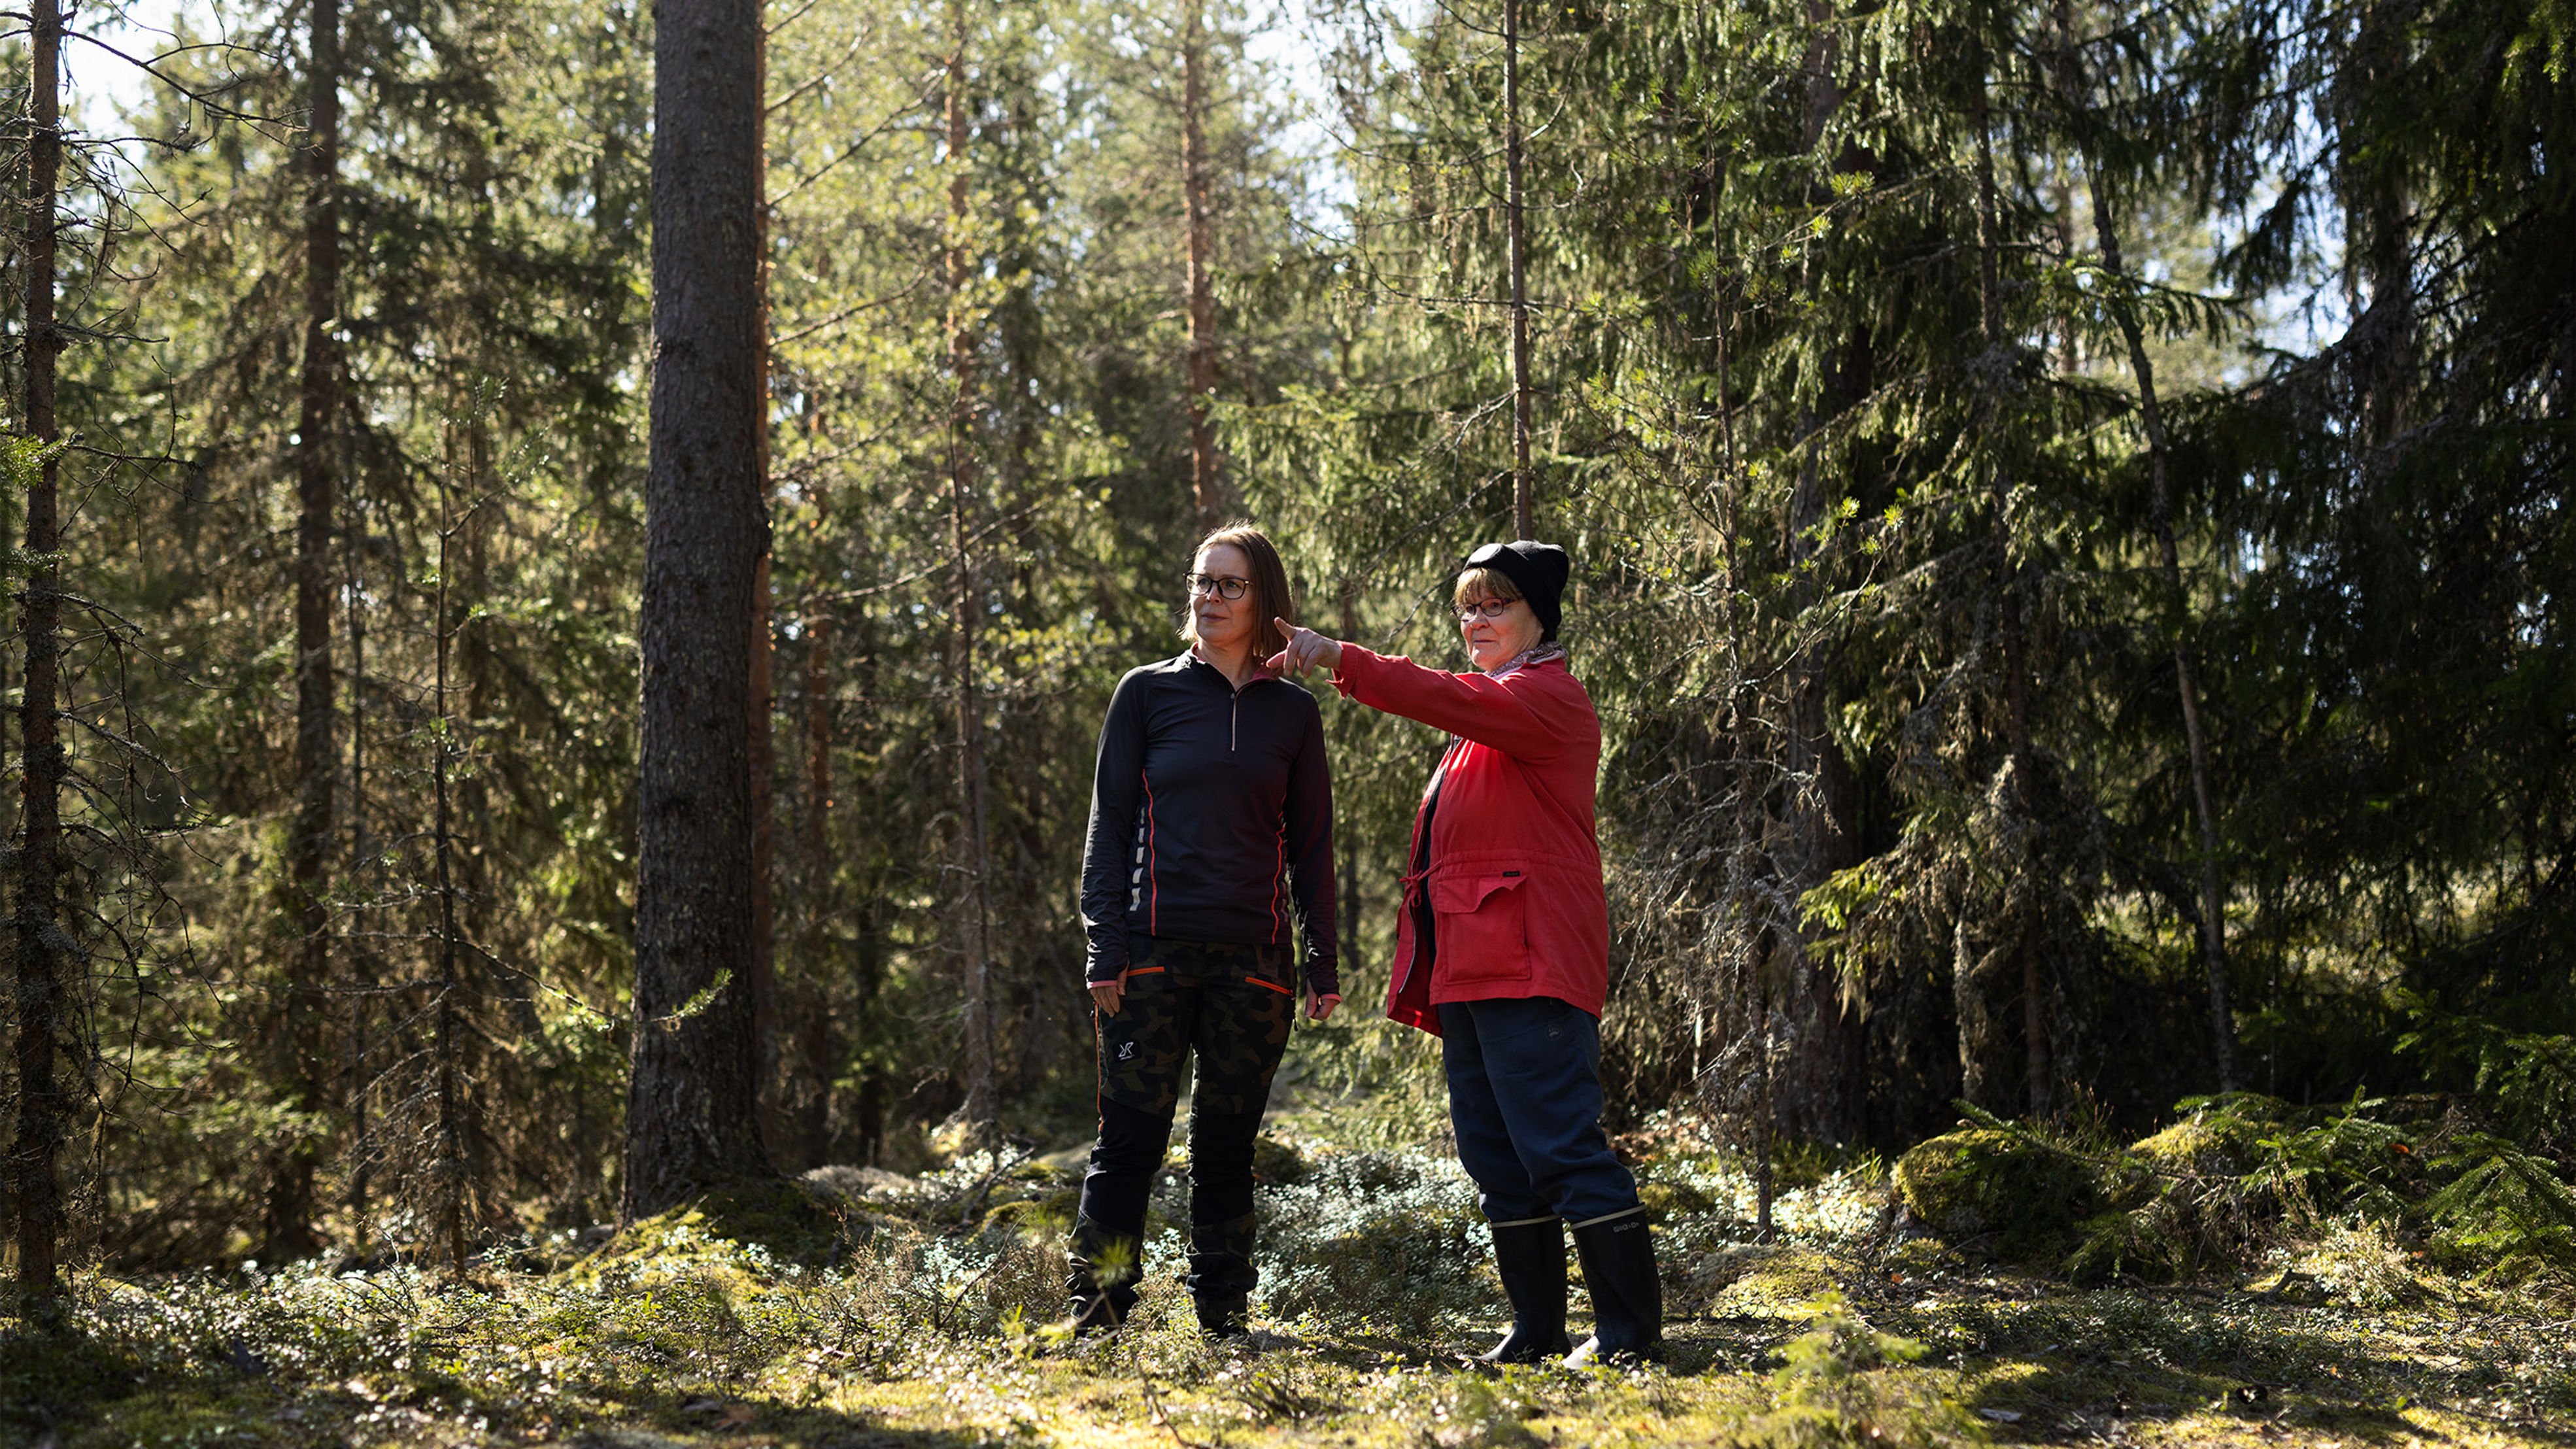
[{"x": 1273, "y": 985}]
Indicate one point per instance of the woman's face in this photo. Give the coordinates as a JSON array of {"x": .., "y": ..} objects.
[
  {"x": 1493, "y": 642},
  {"x": 1223, "y": 623}
]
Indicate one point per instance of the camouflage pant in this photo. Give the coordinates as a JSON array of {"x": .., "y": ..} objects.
[{"x": 1231, "y": 1005}]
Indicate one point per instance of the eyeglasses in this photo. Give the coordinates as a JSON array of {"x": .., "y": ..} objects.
[
  {"x": 1223, "y": 586},
  {"x": 1487, "y": 609}
]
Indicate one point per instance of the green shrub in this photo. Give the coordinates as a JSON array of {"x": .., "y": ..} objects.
[
  {"x": 1391, "y": 1238},
  {"x": 2361, "y": 1266},
  {"x": 967, "y": 1285},
  {"x": 2525, "y": 1080},
  {"x": 2242, "y": 1171},
  {"x": 1276, "y": 1163},
  {"x": 2140, "y": 1245},
  {"x": 2185, "y": 1197},
  {"x": 2504, "y": 1211},
  {"x": 2215, "y": 1136}
]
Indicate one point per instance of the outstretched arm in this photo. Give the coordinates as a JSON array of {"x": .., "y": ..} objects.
[{"x": 1503, "y": 714}]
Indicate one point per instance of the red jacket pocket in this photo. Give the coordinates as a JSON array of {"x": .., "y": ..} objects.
[{"x": 1482, "y": 932}]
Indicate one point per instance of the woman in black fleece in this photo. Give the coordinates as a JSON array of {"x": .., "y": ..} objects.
[{"x": 1211, "y": 847}]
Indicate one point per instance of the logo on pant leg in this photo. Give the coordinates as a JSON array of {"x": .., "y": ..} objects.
[{"x": 1126, "y": 1051}]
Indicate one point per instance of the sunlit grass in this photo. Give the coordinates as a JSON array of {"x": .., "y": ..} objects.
[{"x": 919, "y": 1312}]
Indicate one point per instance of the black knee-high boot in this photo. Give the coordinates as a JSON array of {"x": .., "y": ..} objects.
[
  {"x": 1627, "y": 1296},
  {"x": 1530, "y": 1259}
]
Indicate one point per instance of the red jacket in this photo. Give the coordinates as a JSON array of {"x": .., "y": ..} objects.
[{"x": 1513, "y": 873}]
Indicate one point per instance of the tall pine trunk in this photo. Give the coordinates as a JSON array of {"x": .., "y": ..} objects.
[
  {"x": 1524, "y": 500},
  {"x": 819, "y": 732},
  {"x": 1821, "y": 1080},
  {"x": 1207, "y": 487},
  {"x": 692, "y": 1107},
  {"x": 288, "y": 1231},
  {"x": 817, "y": 1058},
  {"x": 358, "y": 1048},
  {"x": 2379, "y": 278},
  {"x": 764, "y": 760},
  {"x": 2040, "y": 1073},
  {"x": 450, "y": 1170},
  {"x": 867, "y": 923},
  {"x": 1748, "y": 1112},
  {"x": 975, "y": 914},
  {"x": 2213, "y": 894},
  {"x": 2151, "y": 420},
  {"x": 44, "y": 1018}
]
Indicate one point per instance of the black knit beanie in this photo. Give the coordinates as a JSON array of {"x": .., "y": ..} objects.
[{"x": 1538, "y": 570}]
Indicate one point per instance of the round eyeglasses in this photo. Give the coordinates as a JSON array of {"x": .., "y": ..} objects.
[
  {"x": 1224, "y": 586},
  {"x": 1484, "y": 609}
]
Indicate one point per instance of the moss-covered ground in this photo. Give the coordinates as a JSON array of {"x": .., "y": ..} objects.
[{"x": 867, "y": 1309}]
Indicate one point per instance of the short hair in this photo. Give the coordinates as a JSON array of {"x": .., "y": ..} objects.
[
  {"x": 1485, "y": 583},
  {"x": 1268, "y": 596}
]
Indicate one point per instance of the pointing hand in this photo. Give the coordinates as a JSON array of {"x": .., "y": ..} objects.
[{"x": 1306, "y": 650}]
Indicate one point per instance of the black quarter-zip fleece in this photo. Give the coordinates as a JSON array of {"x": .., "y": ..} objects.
[{"x": 1211, "y": 818}]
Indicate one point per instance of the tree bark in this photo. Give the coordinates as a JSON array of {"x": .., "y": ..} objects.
[
  {"x": 2040, "y": 1069},
  {"x": 819, "y": 719},
  {"x": 808, "y": 1118},
  {"x": 2379, "y": 254},
  {"x": 818, "y": 749},
  {"x": 1766, "y": 1109},
  {"x": 1821, "y": 1085},
  {"x": 358, "y": 1051},
  {"x": 866, "y": 1133},
  {"x": 763, "y": 756},
  {"x": 1523, "y": 491},
  {"x": 1207, "y": 486},
  {"x": 975, "y": 920},
  {"x": 692, "y": 1116},
  {"x": 288, "y": 1232},
  {"x": 38, "y": 941},
  {"x": 449, "y": 1172},
  {"x": 2213, "y": 894},
  {"x": 1981, "y": 1075}
]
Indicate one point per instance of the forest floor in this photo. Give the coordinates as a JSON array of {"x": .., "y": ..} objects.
[{"x": 871, "y": 1309}]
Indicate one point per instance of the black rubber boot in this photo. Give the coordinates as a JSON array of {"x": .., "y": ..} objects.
[
  {"x": 1530, "y": 1258},
  {"x": 1627, "y": 1297},
  {"x": 1222, "y": 1275},
  {"x": 1100, "y": 1281}
]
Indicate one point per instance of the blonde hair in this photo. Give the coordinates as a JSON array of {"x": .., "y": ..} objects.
[
  {"x": 1477, "y": 584},
  {"x": 1268, "y": 595}
]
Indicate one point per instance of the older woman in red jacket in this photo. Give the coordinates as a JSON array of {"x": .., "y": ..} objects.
[{"x": 1503, "y": 946}]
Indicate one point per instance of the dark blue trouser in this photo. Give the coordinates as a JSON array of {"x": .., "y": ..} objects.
[{"x": 1525, "y": 1100}]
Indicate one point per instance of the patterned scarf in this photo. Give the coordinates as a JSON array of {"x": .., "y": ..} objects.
[{"x": 1538, "y": 653}]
